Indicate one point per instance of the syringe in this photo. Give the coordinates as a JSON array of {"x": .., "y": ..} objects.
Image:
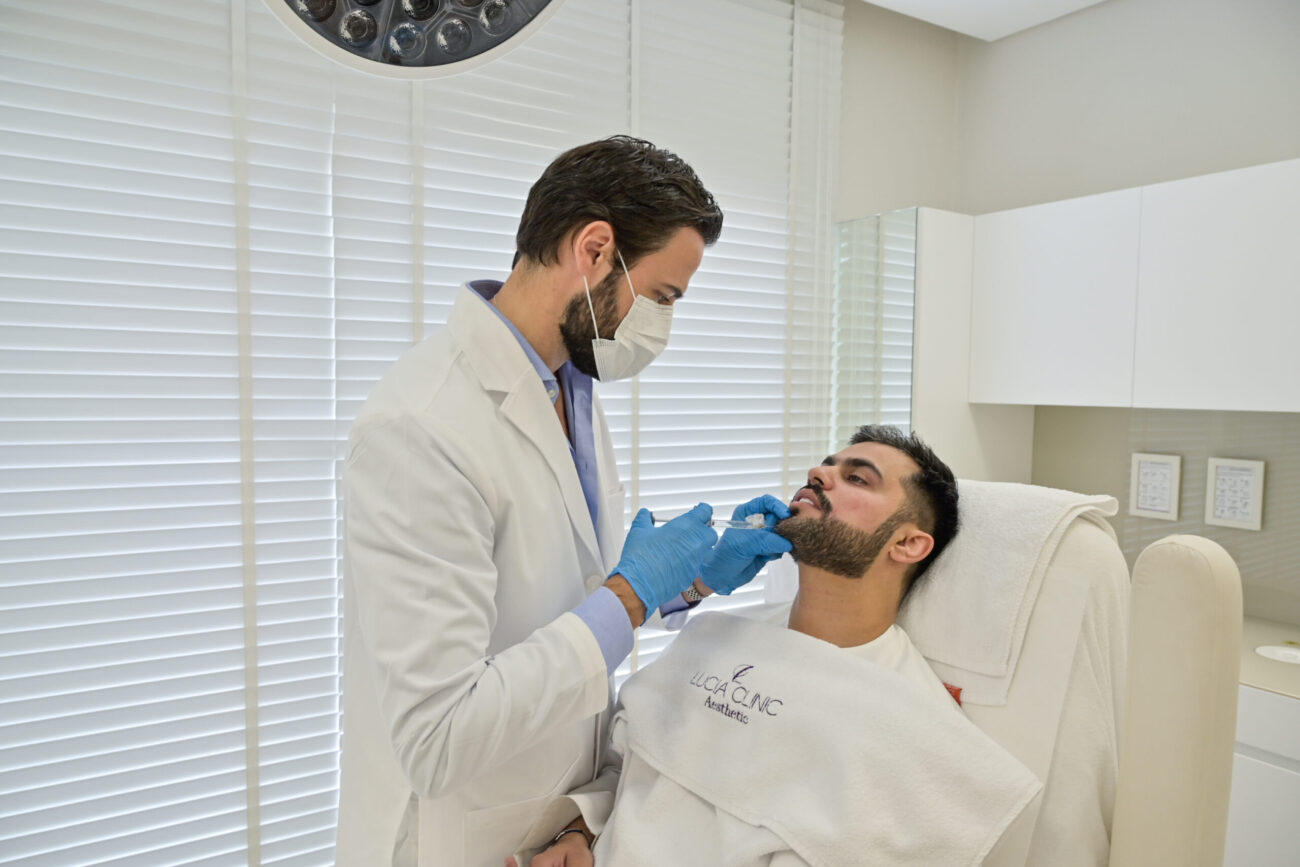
[{"x": 753, "y": 522}]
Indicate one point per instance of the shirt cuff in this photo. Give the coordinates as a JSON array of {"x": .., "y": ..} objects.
[
  {"x": 607, "y": 619},
  {"x": 672, "y": 606}
]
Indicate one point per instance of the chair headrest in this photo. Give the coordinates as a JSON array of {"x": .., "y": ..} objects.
[{"x": 971, "y": 608}]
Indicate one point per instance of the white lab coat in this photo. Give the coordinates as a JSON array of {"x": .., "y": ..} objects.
[{"x": 471, "y": 696}]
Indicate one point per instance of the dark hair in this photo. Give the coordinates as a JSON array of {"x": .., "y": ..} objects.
[
  {"x": 931, "y": 490},
  {"x": 646, "y": 193}
]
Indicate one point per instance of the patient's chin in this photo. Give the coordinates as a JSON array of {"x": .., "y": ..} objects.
[{"x": 830, "y": 544}]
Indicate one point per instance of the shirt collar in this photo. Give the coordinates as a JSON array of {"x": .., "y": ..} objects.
[{"x": 487, "y": 290}]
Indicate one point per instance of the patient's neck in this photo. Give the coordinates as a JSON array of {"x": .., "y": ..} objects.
[{"x": 846, "y": 612}]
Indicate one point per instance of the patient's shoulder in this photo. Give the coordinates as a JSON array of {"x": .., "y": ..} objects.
[{"x": 895, "y": 650}]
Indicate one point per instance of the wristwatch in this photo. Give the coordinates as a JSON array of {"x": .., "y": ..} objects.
[
  {"x": 591, "y": 839},
  {"x": 691, "y": 595}
]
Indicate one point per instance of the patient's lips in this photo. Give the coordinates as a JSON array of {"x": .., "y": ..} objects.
[{"x": 808, "y": 498}]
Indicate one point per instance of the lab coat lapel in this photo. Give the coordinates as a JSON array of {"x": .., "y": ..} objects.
[
  {"x": 528, "y": 408},
  {"x": 503, "y": 368}
]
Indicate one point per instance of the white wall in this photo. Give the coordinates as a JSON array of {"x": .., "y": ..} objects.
[{"x": 979, "y": 441}]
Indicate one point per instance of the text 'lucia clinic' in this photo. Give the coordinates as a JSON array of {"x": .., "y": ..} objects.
[{"x": 739, "y": 694}]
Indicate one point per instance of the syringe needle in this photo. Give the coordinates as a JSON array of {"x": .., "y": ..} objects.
[{"x": 753, "y": 522}]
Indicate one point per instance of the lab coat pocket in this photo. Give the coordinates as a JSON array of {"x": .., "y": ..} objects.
[{"x": 494, "y": 833}]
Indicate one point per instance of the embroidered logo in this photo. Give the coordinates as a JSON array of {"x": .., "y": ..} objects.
[{"x": 734, "y": 697}]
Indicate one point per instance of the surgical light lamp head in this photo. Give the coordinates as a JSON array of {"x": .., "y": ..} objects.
[{"x": 413, "y": 38}]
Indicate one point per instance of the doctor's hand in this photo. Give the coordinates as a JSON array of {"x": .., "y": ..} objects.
[
  {"x": 739, "y": 554},
  {"x": 660, "y": 562},
  {"x": 568, "y": 850}
]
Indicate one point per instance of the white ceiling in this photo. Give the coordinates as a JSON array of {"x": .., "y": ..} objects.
[{"x": 985, "y": 19}]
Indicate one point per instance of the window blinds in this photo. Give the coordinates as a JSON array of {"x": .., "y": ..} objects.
[
  {"x": 121, "y": 615},
  {"x": 875, "y": 290},
  {"x": 213, "y": 243}
]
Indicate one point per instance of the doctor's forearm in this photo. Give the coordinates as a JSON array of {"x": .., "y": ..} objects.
[{"x": 631, "y": 602}]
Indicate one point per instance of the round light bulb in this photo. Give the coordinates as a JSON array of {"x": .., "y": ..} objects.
[
  {"x": 406, "y": 41},
  {"x": 495, "y": 17},
  {"x": 420, "y": 10},
  {"x": 316, "y": 10},
  {"x": 453, "y": 36},
  {"x": 358, "y": 27}
]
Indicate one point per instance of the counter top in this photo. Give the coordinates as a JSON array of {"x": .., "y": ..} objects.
[{"x": 1269, "y": 674}]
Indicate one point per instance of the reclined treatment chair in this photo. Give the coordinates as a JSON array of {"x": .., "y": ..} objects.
[{"x": 1120, "y": 697}]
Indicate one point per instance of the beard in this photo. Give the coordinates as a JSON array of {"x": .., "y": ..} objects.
[
  {"x": 577, "y": 330},
  {"x": 832, "y": 545}
]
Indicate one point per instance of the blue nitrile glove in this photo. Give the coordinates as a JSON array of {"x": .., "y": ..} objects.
[
  {"x": 660, "y": 562},
  {"x": 739, "y": 554}
]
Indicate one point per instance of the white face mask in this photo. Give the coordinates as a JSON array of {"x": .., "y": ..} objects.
[{"x": 639, "y": 339}]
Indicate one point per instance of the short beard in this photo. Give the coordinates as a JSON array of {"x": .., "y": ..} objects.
[
  {"x": 834, "y": 546},
  {"x": 576, "y": 328}
]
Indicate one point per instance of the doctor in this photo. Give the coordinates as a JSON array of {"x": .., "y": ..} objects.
[{"x": 489, "y": 592}]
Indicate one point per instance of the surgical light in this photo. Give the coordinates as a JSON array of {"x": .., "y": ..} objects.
[{"x": 413, "y": 38}]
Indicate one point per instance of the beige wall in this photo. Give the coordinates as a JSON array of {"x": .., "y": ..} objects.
[
  {"x": 1120, "y": 94},
  {"x": 898, "y": 113},
  {"x": 1089, "y": 449},
  {"x": 1126, "y": 93}
]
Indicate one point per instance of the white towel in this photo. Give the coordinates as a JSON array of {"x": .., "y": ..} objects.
[
  {"x": 748, "y": 739},
  {"x": 971, "y": 609}
]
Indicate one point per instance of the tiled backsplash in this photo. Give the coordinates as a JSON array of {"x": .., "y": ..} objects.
[{"x": 1086, "y": 449}]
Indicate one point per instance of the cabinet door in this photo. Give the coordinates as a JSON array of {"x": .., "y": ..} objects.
[
  {"x": 1052, "y": 306},
  {"x": 1219, "y": 292},
  {"x": 1265, "y": 803}
]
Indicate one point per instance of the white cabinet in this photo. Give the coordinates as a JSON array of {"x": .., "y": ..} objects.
[
  {"x": 1264, "y": 809},
  {"x": 1219, "y": 292},
  {"x": 1183, "y": 295},
  {"x": 1052, "y": 306}
]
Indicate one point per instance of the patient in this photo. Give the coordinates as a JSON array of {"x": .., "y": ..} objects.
[{"x": 828, "y": 741}]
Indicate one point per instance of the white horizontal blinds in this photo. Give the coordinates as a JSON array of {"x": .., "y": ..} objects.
[
  {"x": 490, "y": 132},
  {"x": 121, "y": 659},
  {"x": 874, "y": 295},
  {"x": 898, "y": 234},
  {"x": 292, "y": 174},
  {"x": 710, "y": 407},
  {"x": 814, "y": 146},
  {"x": 374, "y": 259}
]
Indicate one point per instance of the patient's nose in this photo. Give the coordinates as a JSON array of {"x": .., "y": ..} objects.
[{"x": 818, "y": 477}]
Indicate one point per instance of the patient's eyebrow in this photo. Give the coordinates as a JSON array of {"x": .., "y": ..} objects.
[{"x": 863, "y": 463}]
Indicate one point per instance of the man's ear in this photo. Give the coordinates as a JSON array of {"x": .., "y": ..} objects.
[
  {"x": 913, "y": 546},
  {"x": 590, "y": 244}
]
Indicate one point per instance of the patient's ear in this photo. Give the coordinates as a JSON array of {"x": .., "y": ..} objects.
[{"x": 913, "y": 546}]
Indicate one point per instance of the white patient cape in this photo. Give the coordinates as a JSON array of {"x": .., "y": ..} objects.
[{"x": 748, "y": 743}]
